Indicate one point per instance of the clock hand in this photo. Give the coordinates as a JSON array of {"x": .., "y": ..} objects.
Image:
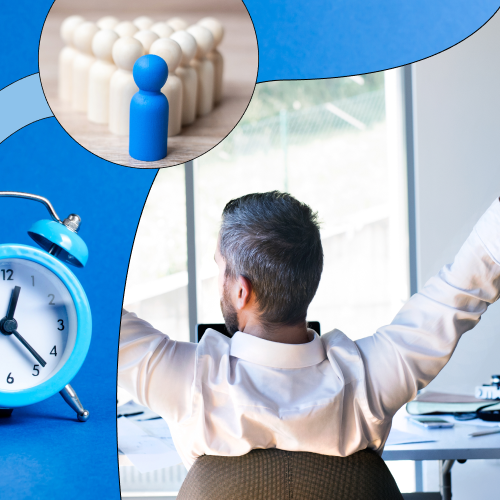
[
  {"x": 13, "y": 303},
  {"x": 8, "y": 325},
  {"x": 30, "y": 349}
]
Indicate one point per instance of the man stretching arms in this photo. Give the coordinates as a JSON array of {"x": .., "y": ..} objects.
[{"x": 276, "y": 384}]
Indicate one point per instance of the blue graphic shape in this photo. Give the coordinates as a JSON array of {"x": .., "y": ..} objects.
[
  {"x": 22, "y": 103},
  {"x": 21, "y": 24},
  {"x": 45, "y": 453},
  {"x": 321, "y": 39}
]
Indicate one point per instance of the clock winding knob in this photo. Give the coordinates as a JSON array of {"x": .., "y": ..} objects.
[{"x": 72, "y": 222}]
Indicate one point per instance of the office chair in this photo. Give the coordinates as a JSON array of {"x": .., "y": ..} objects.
[{"x": 279, "y": 475}]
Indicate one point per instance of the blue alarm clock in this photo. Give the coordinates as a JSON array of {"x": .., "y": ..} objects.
[{"x": 45, "y": 320}]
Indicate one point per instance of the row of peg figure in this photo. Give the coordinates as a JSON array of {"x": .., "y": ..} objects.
[{"x": 95, "y": 67}]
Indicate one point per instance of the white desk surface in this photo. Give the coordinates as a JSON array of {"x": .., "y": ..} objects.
[{"x": 450, "y": 444}]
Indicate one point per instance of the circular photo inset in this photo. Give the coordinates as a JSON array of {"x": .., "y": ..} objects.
[{"x": 148, "y": 84}]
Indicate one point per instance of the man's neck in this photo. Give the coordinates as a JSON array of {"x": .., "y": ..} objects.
[{"x": 296, "y": 334}]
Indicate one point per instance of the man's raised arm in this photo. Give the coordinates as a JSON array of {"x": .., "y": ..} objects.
[
  {"x": 406, "y": 355},
  {"x": 153, "y": 368}
]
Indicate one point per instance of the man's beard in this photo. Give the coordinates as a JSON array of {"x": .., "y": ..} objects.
[{"x": 229, "y": 313}]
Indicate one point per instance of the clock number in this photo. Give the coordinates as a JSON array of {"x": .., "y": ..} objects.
[
  {"x": 33, "y": 280},
  {"x": 9, "y": 278},
  {"x": 61, "y": 322},
  {"x": 35, "y": 369},
  {"x": 53, "y": 352},
  {"x": 51, "y": 303},
  {"x": 10, "y": 380}
]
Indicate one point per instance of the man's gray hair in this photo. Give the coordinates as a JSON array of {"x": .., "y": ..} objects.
[{"x": 273, "y": 240}]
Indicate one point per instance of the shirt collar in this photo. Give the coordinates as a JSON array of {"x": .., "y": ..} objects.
[{"x": 276, "y": 354}]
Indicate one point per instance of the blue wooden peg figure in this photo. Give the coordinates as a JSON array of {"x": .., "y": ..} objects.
[{"x": 149, "y": 110}]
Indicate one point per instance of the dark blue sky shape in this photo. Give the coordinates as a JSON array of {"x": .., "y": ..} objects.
[
  {"x": 320, "y": 39},
  {"x": 297, "y": 39}
]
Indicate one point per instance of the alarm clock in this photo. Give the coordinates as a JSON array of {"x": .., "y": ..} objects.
[{"x": 45, "y": 319}]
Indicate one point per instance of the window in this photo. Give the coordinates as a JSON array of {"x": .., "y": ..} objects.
[
  {"x": 157, "y": 277},
  {"x": 327, "y": 143}
]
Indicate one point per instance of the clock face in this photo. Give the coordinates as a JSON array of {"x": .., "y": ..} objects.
[{"x": 46, "y": 319}]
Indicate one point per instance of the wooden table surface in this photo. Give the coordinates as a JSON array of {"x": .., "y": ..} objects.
[{"x": 239, "y": 48}]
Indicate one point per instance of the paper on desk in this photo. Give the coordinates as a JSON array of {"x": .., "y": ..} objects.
[
  {"x": 159, "y": 429},
  {"x": 399, "y": 437},
  {"x": 145, "y": 451},
  {"x": 135, "y": 411}
]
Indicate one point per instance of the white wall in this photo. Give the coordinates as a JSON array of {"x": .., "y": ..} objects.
[{"x": 457, "y": 148}]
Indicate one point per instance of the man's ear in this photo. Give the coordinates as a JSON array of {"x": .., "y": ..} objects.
[{"x": 244, "y": 288}]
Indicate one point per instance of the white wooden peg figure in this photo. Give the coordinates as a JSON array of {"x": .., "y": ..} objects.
[
  {"x": 178, "y": 24},
  {"x": 82, "y": 39},
  {"x": 188, "y": 75},
  {"x": 170, "y": 51},
  {"x": 100, "y": 76},
  {"x": 126, "y": 28},
  {"x": 122, "y": 87},
  {"x": 204, "y": 68},
  {"x": 163, "y": 30},
  {"x": 67, "y": 55},
  {"x": 143, "y": 22},
  {"x": 214, "y": 55},
  {"x": 107, "y": 22},
  {"x": 146, "y": 37}
]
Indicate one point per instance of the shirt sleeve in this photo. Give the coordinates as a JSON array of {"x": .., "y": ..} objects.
[
  {"x": 156, "y": 370},
  {"x": 403, "y": 357}
]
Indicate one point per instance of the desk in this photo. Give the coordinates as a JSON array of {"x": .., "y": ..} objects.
[{"x": 449, "y": 445}]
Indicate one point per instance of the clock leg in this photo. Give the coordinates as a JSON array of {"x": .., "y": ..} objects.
[
  {"x": 5, "y": 412},
  {"x": 69, "y": 395}
]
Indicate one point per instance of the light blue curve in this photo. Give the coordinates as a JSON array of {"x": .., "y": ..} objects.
[{"x": 21, "y": 103}]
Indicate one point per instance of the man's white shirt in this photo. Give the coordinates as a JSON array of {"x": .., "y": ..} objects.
[{"x": 332, "y": 396}]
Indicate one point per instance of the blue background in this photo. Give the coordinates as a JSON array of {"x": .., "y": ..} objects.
[
  {"x": 297, "y": 39},
  {"x": 44, "y": 452},
  {"x": 325, "y": 38}
]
